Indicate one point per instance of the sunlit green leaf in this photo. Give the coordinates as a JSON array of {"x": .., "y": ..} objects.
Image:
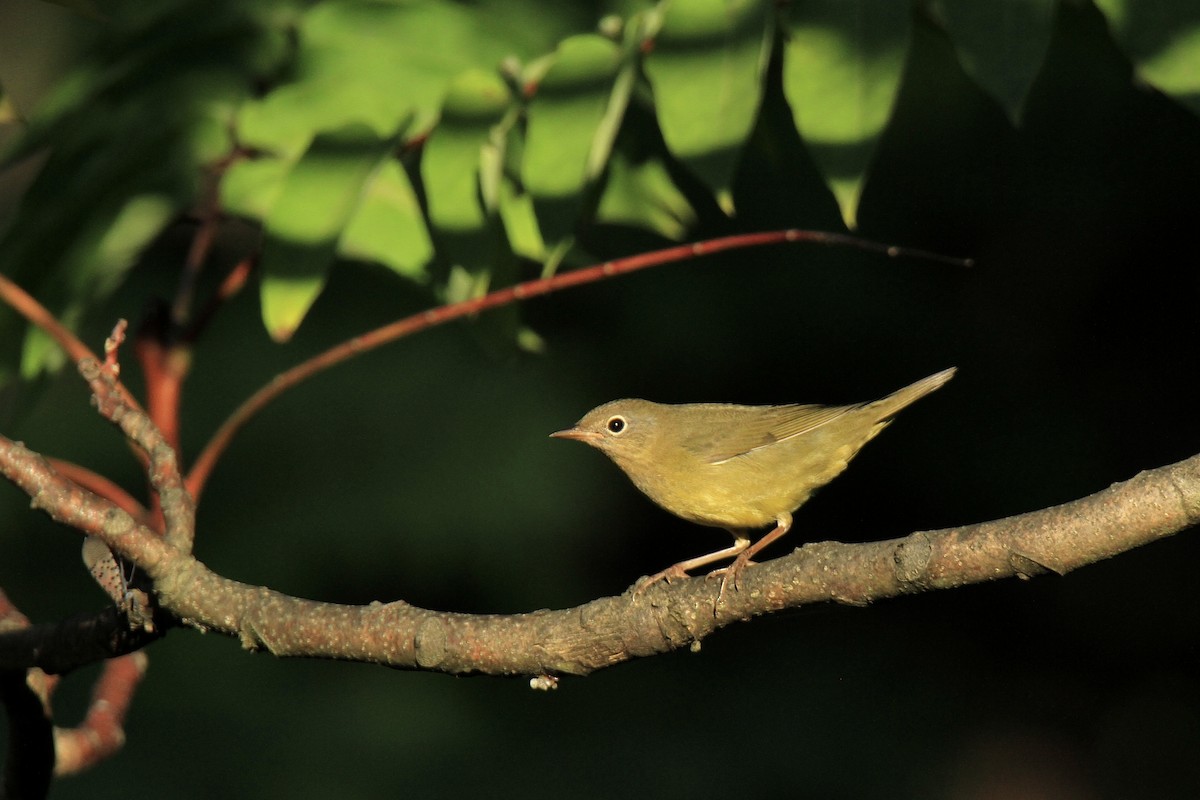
[
  {"x": 618, "y": 101},
  {"x": 643, "y": 194},
  {"x": 284, "y": 122},
  {"x": 1001, "y": 44},
  {"x": 841, "y": 72},
  {"x": 400, "y": 57},
  {"x": 461, "y": 169},
  {"x": 564, "y": 141},
  {"x": 388, "y": 227},
  {"x": 1162, "y": 38},
  {"x": 315, "y": 203},
  {"x": 453, "y": 158},
  {"x": 251, "y": 186},
  {"x": 383, "y": 65},
  {"x": 706, "y": 68},
  {"x": 520, "y": 223}
]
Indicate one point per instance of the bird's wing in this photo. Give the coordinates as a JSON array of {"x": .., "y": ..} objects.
[{"x": 766, "y": 427}]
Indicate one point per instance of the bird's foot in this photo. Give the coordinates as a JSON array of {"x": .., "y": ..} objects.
[
  {"x": 730, "y": 576},
  {"x": 671, "y": 573}
]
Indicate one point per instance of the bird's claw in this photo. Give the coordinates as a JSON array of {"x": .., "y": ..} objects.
[
  {"x": 671, "y": 573},
  {"x": 730, "y": 576}
]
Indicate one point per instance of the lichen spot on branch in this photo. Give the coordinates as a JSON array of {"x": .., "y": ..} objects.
[{"x": 117, "y": 523}]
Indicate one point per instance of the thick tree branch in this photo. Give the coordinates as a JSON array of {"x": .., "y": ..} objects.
[
  {"x": 603, "y": 632},
  {"x": 610, "y": 630},
  {"x": 58, "y": 648}
]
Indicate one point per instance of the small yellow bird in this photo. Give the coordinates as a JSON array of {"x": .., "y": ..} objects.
[{"x": 736, "y": 467}]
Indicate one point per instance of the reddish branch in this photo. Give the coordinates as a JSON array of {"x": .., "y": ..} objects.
[
  {"x": 234, "y": 282},
  {"x": 202, "y": 242},
  {"x": 24, "y": 304},
  {"x": 98, "y": 484},
  {"x": 102, "y": 731},
  {"x": 164, "y": 366}
]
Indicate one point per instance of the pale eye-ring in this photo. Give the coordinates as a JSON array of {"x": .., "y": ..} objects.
[{"x": 616, "y": 425}]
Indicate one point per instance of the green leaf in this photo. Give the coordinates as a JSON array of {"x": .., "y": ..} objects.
[
  {"x": 566, "y": 136},
  {"x": 388, "y": 226},
  {"x": 453, "y": 158},
  {"x": 1001, "y": 44},
  {"x": 461, "y": 171},
  {"x": 251, "y": 186},
  {"x": 706, "y": 68},
  {"x": 841, "y": 72},
  {"x": 317, "y": 199},
  {"x": 82, "y": 223},
  {"x": 1162, "y": 39},
  {"x": 381, "y": 65},
  {"x": 111, "y": 180},
  {"x": 520, "y": 222},
  {"x": 109, "y": 257},
  {"x": 517, "y": 212},
  {"x": 285, "y": 121},
  {"x": 643, "y": 194},
  {"x": 399, "y": 57}
]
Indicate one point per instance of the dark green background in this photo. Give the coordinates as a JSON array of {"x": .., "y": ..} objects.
[{"x": 422, "y": 472}]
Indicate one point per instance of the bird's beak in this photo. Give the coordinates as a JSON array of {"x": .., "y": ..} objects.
[{"x": 576, "y": 434}]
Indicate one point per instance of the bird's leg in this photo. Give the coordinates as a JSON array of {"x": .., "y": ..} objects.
[
  {"x": 783, "y": 523},
  {"x": 740, "y": 542}
]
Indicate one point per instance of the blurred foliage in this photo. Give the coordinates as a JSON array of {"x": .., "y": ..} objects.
[{"x": 315, "y": 115}]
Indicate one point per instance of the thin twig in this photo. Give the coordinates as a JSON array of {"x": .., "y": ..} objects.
[
  {"x": 178, "y": 508},
  {"x": 102, "y": 732},
  {"x": 197, "y": 255},
  {"x": 202, "y": 241},
  {"x": 164, "y": 367},
  {"x": 98, "y": 484},
  {"x": 36, "y": 314},
  {"x": 233, "y": 282}
]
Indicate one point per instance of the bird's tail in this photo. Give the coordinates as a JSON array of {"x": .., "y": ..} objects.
[{"x": 890, "y": 405}]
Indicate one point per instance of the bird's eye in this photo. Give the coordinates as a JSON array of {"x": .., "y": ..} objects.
[{"x": 615, "y": 424}]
